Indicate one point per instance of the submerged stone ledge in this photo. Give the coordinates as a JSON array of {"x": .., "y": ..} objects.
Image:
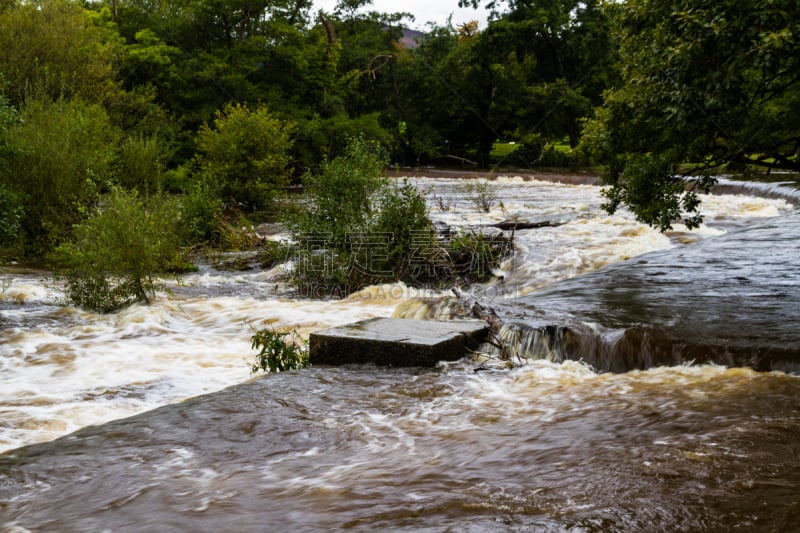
[{"x": 396, "y": 342}]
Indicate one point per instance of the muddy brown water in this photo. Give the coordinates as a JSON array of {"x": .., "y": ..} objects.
[{"x": 545, "y": 446}]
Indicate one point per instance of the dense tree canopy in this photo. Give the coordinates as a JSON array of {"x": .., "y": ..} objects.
[
  {"x": 706, "y": 83},
  {"x": 170, "y": 96},
  {"x": 57, "y": 48}
]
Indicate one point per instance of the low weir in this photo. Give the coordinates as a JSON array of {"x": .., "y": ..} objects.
[{"x": 716, "y": 302}]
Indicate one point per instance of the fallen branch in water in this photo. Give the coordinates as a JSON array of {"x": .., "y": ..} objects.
[
  {"x": 515, "y": 225},
  {"x": 479, "y": 311},
  {"x": 488, "y": 315}
]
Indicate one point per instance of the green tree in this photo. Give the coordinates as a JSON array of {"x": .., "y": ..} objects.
[
  {"x": 199, "y": 55},
  {"x": 704, "y": 84},
  {"x": 116, "y": 253},
  {"x": 57, "y": 48},
  {"x": 149, "y": 61},
  {"x": 358, "y": 228},
  {"x": 437, "y": 110},
  {"x": 62, "y": 155},
  {"x": 534, "y": 73},
  {"x": 346, "y": 58},
  {"x": 245, "y": 156},
  {"x": 10, "y": 207}
]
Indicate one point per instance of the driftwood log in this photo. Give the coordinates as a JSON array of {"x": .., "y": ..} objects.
[{"x": 522, "y": 224}]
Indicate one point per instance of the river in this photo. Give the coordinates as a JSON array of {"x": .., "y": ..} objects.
[{"x": 548, "y": 445}]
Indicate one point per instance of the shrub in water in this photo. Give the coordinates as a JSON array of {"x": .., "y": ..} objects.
[
  {"x": 358, "y": 229},
  {"x": 481, "y": 193},
  {"x": 276, "y": 353},
  {"x": 117, "y": 252}
]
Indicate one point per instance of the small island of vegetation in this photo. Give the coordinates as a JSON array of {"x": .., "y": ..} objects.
[{"x": 133, "y": 132}]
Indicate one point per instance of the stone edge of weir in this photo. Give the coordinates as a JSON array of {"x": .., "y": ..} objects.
[{"x": 396, "y": 342}]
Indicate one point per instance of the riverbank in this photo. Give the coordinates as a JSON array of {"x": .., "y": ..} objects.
[{"x": 553, "y": 175}]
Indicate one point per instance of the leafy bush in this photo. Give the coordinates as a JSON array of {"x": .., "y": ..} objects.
[
  {"x": 358, "y": 229},
  {"x": 342, "y": 195},
  {"x": 10, "y": 215},
  {"x": 276, "y": 354},
  {"x": 475, "y": 254},
  {"x": 274, "y": 253},
  {"x": 61, "y": 156},
  {"x": 202, "y": 214},
  {"x": 402, "y": 217},
  {"x": 57, "y": 48},
  {"x": 245, "y": 156},
  {"x": 140, "y": 164},
  {"x": 117, "y": 252}
]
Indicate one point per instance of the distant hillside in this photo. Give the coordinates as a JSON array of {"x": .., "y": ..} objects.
[{"x": 411, "y": 38}]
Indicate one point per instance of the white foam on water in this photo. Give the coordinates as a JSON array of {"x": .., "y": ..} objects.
[
  {"x": 63, "y": 368},
  {"x": 58, "y": 378},
  {"x": 27, "y": 289},
  {"x": 582, "y": 236}
]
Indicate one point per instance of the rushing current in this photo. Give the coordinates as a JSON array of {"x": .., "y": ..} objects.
[{"x": 149, "y": 420}]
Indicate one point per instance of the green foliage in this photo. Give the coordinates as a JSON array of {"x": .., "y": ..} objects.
[
  {"x": 321, "y": 139},
  {"x": 359, "y": 230},
  {"x": 150, "y": 61},
  {"x": 202, "y": 211},
  {"x": 237, "y": 233},
  {"x": 273, "y": 253},
  {"x": 140, "y": 163},
  {"x": 445, "y": 102},
  {"x": 57, "y": 49},
  {"x": 276, "y": 353},
  {"x": 61, "y": 155},
  {"x": 473, "y": 255},
  {"x": 534, "y": 151},
  {"x": 118, "y": 251},
  {"x": 402, "y": 216},
  {"x": 245, "y": 155},
  {"x": 8, "y": 118},
  {"x": 704, "y": 83},
  {"x": 11, "y": 212},
  {"x": 537, "y": 69},
  {"x": 335, "y": 227},
  {"x": 342, "y": 193},
  {"x": 650, "y": 186},
  {"x": 11, "y": 209},
  {"x": 144, "y": 100}
]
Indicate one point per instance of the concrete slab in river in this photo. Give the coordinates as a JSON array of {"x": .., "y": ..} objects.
[{"x": 396, "y": 342}]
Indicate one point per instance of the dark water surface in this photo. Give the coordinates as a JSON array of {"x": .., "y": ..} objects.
[
  {"x": 732, "y": 300},
  {"x": 543, "y": 448},
  {"x": 546, "y": 446}
]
